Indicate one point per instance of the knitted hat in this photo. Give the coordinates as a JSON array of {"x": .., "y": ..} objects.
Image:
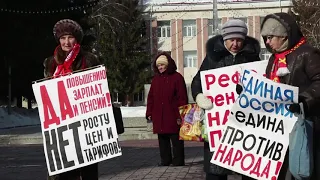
[
  {"x": 272, "y": 27},
  {"x": 234, "y": 28},
  {"x": 67, "y": 27},
  {"x": 162, "y": 60}
]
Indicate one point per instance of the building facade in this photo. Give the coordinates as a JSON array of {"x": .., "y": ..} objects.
[{"x": 183, "y": 28}]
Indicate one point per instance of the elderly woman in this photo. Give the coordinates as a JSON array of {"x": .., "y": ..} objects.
[
  {"x": 68, "y": 57},
  {"x": 232, "y": 47},
  {"x": 167, "y": 92}
]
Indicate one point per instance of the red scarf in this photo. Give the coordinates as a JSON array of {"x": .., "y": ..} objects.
[
  {"x": 65, "y": 67},
  {"x": 279, "y": 67}
]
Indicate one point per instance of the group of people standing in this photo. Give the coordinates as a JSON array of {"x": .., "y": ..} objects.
[
  {"x": 293, "y": 62},
  {"x": 282, "y": 38}
]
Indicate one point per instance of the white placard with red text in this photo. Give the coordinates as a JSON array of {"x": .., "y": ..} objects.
[
  {"x": 77, "y": 120},
  {"x": 220, "y": 86},
  {"x": 256, "y": 137}
]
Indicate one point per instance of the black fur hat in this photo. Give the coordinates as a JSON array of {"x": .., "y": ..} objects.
[{"x": 67, "y": 27}]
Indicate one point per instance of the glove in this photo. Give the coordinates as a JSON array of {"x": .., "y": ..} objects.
[
  {"x": 204, "y": 102},
  {"x": 239, "y": 89},
  {"x": 295, "y": 108}
]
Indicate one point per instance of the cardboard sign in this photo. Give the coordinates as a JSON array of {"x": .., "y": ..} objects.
[
  {"x": 220, "y": 86},
  {"x": 256, "y": 137},
  {"x": 77, "y": 120}
]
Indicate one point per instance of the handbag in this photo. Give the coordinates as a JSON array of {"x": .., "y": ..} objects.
[
  {"x": 191, "y": 125},
  {"x": 301, "y": 149}
]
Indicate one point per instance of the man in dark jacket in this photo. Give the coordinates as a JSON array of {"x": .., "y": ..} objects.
[
  {"x": 232, "y": 47},
  {"x": 296, "y": 63}
]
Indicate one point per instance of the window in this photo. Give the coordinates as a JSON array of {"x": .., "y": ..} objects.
[
  {"x": 139, "y": 96},
  {"x": 189, "y": 28},
  {"x": 190, "y": 59},
  {"x": 164, "y": 29},
  {"x": 264, "y": 54},
  {"x": 210, "y": 26},
  {"x": 261, "y": 19}
]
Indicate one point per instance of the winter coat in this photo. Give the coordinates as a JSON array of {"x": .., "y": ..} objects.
[
  {"x": 304, "y": 66},
  {"x": 218, "y": 56},
  {"x": 167, "y": 92},
  {"x": 83, "y": 60}
]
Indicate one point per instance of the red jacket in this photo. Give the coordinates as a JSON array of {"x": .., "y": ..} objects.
[{"x": 167, "y": 92}]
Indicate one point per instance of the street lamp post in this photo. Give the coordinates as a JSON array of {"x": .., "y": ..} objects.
[{"x": 215, "y": 17}]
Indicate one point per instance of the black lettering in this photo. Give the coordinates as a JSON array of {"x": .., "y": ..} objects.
[
  {"x": 245, "y": 143},
  {"x": 62, "y": 144},
  {"x": 280, "y": 127},
  {"x": 239, "y": 115},
  {"x": 225, "y": 134},
  {"x": 251, "y": 121},
  {"x": 236, "y": 138},
  {"x": 52, "y": 146},
  {"x": 262, "y": 139},
  {"x": 261, "y": 120},
  {"x": 74, "y": 126},
  {"x": 277, "y": 152},
  {"x": 109, "y": 132},
  {"x": 269, "y": 149}
]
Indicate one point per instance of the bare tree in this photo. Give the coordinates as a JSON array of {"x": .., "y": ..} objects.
[{"x": 307, "y": 15}]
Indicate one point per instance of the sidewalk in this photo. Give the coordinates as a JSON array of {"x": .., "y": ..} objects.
[
  {"x": 138, "y": 162},
  {"x": 135, "y": 129}
]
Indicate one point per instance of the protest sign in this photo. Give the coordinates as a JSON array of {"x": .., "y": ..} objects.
[
  {"x": 256, "y": 137},
  {"x": 77, "y": 120},
  {"x": 220, "y": 86}
]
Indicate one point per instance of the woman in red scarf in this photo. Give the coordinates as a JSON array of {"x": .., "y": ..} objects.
[{"x": 68, "y": 57}]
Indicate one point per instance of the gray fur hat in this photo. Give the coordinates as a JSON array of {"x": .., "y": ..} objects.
[
  {"x": 272, "y": 27},
  {"x": 67, "y": 27},
  {"x": 234, "y": 28}
]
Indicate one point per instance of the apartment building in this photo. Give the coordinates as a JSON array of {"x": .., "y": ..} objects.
[{"x": 182, "y": 28}]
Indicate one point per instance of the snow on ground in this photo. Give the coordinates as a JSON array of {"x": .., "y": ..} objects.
[
  {"x": 28, "y": 117},
  {"x": 139, "y": 111}
]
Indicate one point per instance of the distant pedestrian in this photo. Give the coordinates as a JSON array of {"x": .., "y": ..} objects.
[{"x": 167, "y": 92}]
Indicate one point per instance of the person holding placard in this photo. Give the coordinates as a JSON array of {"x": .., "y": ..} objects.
[
  {"x": 232, "y": 47},
  {"x": 68, "y": 57},
  {"x": 167, "y": 93},
  {"x": 295, "y": 62}
]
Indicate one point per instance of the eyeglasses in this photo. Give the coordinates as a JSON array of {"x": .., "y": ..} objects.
[{"x": 268, "y": 37}]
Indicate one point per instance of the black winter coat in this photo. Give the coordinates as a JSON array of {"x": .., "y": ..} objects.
[
  {"x": 304, "y": 66},
  {"x": 218, "y": 56}
]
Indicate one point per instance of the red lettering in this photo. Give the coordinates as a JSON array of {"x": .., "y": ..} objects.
[
  {"x": 65, "y": 106},
  {"x": 223, "y": 78},
  {"x": 212, "y": 133},
  {"x": 225, "y": 118},
  {"x": 219, "y": 100},
  {"x": 220, "y": 151},
  {"x": 235, "y": 78},
  {"x": 237, "y": 157},
  {"x": 210, "y": 79},
  {"x": 250, "y": 165},
  {"x": 48, "y": 108},
  {"x": 256, "y": 168},
  {"x": 216, "y": 118},
  {"x": 230, "y": 99},
  {"x": 228, "y": 157},
  {"x": 266, "y": 170}
]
